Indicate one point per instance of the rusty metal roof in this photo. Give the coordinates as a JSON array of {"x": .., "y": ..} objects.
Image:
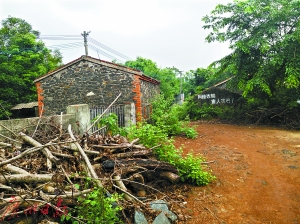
[{"x": 25, "y": 105}]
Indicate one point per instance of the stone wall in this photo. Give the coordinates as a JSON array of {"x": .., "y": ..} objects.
[
  {"x": 30, "y": 124},
  {"x": 78, "y": 116},
  {"x": 148, "y": 93},
  {"x": 85, "y": 83}
]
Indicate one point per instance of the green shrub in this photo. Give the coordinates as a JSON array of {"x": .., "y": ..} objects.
[
  {"x": 96, "y": 207},
  {"x": 189, "y": 166},
  {"x": 171, "y": 118},
  {"x": 110, "y": 121}
]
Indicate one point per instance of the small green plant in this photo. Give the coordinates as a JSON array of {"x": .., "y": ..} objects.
[
  {"x": 110, "y": 121},
  {"x": 96, "y": 207}
]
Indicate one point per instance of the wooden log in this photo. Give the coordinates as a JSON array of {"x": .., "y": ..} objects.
[
  {"x": 73, "y": 147},
  {"x": 25, "y": 178},
  {"x": 149, "y": 164},
  {"x": 86, "y": 159},
  {"x": 172, "y": 177},
  {"x": 140, "y": 153},
  {"x": 14, "y": 169},
  {"x": 5, "y": 201},
  {"x": 6, "y": 145},
  {"x": 115, "y": 147},
  {"x": 120, "y": 184}
]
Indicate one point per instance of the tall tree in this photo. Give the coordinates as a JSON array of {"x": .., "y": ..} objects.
[
  {"x": 170, "y": 84},
  {"x": 201, "y": 79},
  {"x": 23, "y": 58},
  {"x": 265, "y": 38}
]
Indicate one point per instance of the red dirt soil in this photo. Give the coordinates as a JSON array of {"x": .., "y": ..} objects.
[{"x": 258, "y": 175}]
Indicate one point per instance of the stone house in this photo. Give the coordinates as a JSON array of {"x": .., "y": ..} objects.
[{"x": 97, "y": 83}]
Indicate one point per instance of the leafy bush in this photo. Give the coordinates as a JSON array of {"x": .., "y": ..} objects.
[
  {"x": 171, "y": 118},
  {"x": 197, "y": 112},
  {"x": 96, "y": 207},
  {"x": 189, "y": 166},
  {"x": 109, "y": 121}
]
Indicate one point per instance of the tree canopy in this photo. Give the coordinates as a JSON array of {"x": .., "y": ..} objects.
[
  {"x": 23, "y": 58},
  {"x": 265, "y": 38},
  {"x": 170, "y": 84}
]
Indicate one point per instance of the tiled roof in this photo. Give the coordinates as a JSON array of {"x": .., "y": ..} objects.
[
  {"x": 25, "y": 105},
  {"x": 102, "y": 62}
]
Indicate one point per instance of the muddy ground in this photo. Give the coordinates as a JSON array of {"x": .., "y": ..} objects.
[{"x": 257, "y": 170}]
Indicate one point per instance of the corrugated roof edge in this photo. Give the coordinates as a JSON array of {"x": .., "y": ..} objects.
[
  {"x": 25, "y": 105},
  {"x": 95, "y": 60},
  {"x": 220, "y": 83}
]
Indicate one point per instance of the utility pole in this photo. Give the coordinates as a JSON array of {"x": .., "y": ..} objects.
[
  {"x": 180, "y": 72},
  {"x": 181, "y": 94},
  {"x": 85, "y": 34}
]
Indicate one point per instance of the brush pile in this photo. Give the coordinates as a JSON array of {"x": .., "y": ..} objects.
[{"x": 43, "y": 173}]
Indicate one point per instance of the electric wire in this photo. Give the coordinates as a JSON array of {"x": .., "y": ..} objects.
[
  {"x": 97, "y": 43},
  {"x": 94, "y": 48},
  {"x": 92, "y": 44},
  {"x": 60, "y": 37},
  {"x": 66, "y": 46}
]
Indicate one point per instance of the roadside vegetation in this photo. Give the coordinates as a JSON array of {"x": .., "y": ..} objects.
[{"x": 264, "y": 37}]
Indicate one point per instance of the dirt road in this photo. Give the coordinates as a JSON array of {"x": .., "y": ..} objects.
[{"x": 258, "y": 175}]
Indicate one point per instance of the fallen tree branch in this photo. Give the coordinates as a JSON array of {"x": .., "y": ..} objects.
[
  {"x": 121, "y": 185},
  {"x": 127, "y": 154},
  {"x": 73, "y": 147},
  {"x": 45, "y": 150},
  {"x": 29, "y": 151},
  {"x": 15, "y": 169},
  {"x": 10, "y": 139},
  {"x": 86, "y": 159},
  {"x": 25, "y": 178},
  {"x": 14, "y": 134},
  {"x": 6, "y": 145},
  {"x": 40, "y": 118}
]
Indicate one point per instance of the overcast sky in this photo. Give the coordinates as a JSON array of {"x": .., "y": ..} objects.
[{"x": 169, "y": 32}]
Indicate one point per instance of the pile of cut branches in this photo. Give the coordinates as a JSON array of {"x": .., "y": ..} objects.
[{"x": 43, "y": 173}]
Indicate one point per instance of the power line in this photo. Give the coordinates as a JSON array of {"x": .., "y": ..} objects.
[
  {"x": 94, "y": 48},
  {"x": 88, "y": 41},
  {"x": 66, "y": 46},
  {"x": 60, "y": 37},
  {"x": 97, "y": 43}
]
